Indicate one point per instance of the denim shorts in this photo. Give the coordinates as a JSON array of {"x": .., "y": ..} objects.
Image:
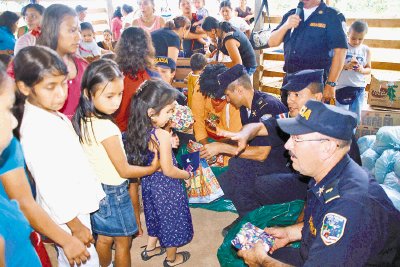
[{"x": 115, "y": 216}]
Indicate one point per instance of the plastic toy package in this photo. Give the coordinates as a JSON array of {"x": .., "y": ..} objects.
[{"x": 249, "y": 235}]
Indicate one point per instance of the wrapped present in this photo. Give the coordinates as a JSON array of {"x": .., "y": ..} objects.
[
  {"x": 216, "y": 161},
  {"x": 182, "y": 119},
  {"x": 249, "y": 235},
  {"x": 204, "y": 186}
]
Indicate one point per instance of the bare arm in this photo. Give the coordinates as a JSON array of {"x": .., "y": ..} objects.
[
  {"x": 277, "y": 36},
  {"x": 167, "y": 166},
  {"x": 232, "y": 46},
  {"x": 259, "y": 153},
  {"x": 173, "y": 53},
  {"x": 366, "y": 70},
  {"x": 336, "y": 67},
  {"x": 162, "y": 22},
  {"x": 114, "y": 150}
]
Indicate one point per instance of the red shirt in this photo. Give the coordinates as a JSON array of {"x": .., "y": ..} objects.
[
  {"x": 131, "y": 84},
  {"x": 74, "y": 88}
]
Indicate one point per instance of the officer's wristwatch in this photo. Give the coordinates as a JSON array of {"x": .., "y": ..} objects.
[{"x": 332, "y": 84}]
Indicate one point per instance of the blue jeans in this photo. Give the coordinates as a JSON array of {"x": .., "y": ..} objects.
[{"x": 356, "y": 106}]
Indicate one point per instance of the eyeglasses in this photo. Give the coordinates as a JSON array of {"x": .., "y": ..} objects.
[{"x": 296, "y": 139}]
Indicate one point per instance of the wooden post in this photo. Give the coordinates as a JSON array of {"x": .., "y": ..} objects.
[
  {"x": 258, "y": 74},
  {"x": 110, "y": 11}
]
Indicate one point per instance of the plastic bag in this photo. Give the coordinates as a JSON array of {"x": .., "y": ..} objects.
[
  {"x": 393, "y": 181},
  {"x": 270, "y": 215},
  {"x": 393, "y": 195},
  {"x": 368, "y": 159},
  {"x": 397, "y": 165},
  {"x": 385, "y": 164},
  {"x": 366, "y": 142},
  {"x": 388, "y": 137}
]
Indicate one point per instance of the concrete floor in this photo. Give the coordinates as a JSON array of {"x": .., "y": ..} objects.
[{"x": 203, "y": 248}]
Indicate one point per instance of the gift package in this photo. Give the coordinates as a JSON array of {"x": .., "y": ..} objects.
[
  {"x": 249, "y": 235},
  {"x": 216, "y": 161}
]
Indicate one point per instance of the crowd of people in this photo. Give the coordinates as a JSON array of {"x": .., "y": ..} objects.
[{"x": 85, "y": 123}]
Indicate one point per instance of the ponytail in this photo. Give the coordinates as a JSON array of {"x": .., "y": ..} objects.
[
  {"x": 177, "y": 23},
  {"x": 211, "y": 23},
  {"x": 226, "y": 27}
]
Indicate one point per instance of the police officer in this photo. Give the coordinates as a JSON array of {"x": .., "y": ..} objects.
[
  {"x": 348, "y": 218},
  {"x": 301, "y": 86},
  {"x": 263, "y": 155},
  {"x": 309, "y": 40}
]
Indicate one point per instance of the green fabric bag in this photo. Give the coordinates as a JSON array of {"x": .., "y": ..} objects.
[{"x": 270, "y": 215}]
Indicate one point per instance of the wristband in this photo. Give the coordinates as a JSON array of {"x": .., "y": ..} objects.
[{"x": 190, "y": 175}]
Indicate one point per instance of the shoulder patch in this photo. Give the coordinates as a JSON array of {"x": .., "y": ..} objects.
[{"x": 332, "y": 229}]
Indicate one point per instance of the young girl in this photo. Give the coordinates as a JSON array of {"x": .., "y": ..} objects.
[
  {"x": 102, "y": 87},
  {"x": 201, "y": 11},
  {"x": 166, "y": 207},
  {"x": 60, "y": 32},
  {"x": 67, "y": 188},
  {"x": 88, "y": 48}
]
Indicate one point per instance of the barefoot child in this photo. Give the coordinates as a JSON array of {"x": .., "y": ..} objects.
[
  {"x": 102, "y": 86},
  {"x": 166, "y": 207}
]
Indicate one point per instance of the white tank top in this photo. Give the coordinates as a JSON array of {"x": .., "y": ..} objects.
[{"x": 351, "y": 77}]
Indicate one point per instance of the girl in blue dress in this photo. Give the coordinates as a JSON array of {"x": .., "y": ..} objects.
[{"x": 166, "y": 206}]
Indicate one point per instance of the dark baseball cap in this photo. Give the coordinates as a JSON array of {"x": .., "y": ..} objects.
[
  {"x": 165, "y": 62},
  {"x": 231, "y": 75},
  {"x": 299, "y": 80},
  {"x": 80, "y": 8},
  {"x": 316, "y": 116}
]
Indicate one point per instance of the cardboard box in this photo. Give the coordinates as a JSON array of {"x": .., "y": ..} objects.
[
  {"x": 365, "y": 130},
  {"x": 384, "y": 92},
  {"x": 378, "y": 117}
]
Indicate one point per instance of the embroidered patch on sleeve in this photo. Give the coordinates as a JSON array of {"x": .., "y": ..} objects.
[{"x": 332, "y": 228}]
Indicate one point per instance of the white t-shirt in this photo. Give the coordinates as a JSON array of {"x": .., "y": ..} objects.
[
  {"x": 98, "y": 131},
  {"x": 239, "y": 23},
  {"x": 351, "y": 77},
  {"x": 308, "y": 11},
  {"x": 89, "y": 49},
  {"x": 66, "y": 185}
]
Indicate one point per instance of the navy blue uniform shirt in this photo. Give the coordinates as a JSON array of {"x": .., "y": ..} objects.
[
  {"x": 349, "y": 221},
  {"x": 310, "y": 45},
  {"x": 264, "y": 104}
]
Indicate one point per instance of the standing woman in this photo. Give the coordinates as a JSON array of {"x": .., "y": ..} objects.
[
  {"x": 148, "y": 21},
  {"x": 32, "y": 14},
  {"x": 116, "y": 24},
  {"x": 61, "y": 33},
  {"x": 227, "y": 14},
  {"x": 193, "y": 42},
  {"x": 167, "y": 40},
  {"x": 128, "y": 14},
  {"x": 231, "y": 42},
  {"x": 243, "y": 11},
  {"x": 135, "y": 57},
  {"x": 8, "y": 26}
]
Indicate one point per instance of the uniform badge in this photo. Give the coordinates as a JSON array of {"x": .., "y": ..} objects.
[
  {"x": 313, "y": 231},
  {"x": 321, "y": 190},
  {"x": 320, "y": 12},
  {"x": 332, "y": 228},
  {"x": 265, "y": 117}
]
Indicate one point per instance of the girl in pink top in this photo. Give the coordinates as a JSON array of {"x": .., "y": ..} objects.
[
  {"x": 148, "y": 21},
  {"x": 116, "y": 24},
  {"x": 60, "y": 32}
]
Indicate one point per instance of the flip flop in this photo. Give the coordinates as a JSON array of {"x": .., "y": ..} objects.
[
  {"x": 185, "y": 256},
  {"x": 146, "y": 257}
]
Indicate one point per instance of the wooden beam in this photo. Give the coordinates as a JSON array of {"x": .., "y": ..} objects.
[
  {"x": 96, "y": 10},
  {"x": 375, "y": 43},
  {"x": 271, "y": 73},
  {"x": 99, "y": 22},
  {"x": 372, "y": 23},
  {"x": 257, "y": 76},
  {"x": 395, "y": 66},
  {"x": 273, "y": 56}
]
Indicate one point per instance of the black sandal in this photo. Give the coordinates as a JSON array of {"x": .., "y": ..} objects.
[
  {"x": 185, "y": 256},
  {"x": 146, "y": 257}
]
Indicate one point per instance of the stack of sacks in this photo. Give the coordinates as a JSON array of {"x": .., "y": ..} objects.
[{"x": 380, "y": 155}]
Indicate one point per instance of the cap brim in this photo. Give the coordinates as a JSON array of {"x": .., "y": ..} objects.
[
  {"x": 293, "y": 127},
  {"x": 163, "y": 66},
  {"x": 294, "y": 86}
]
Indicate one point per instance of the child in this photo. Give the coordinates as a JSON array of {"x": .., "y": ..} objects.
[
  {"x": 102, "y": 87},
  {"x": 351, "y": 84},
  {"x": 88, "y": 47},
  {"x": 67, "y": 188},
  {"x": 165, "y": 202},
  {"x": 197, "y": 63},
  {"x": 201, "y": 12},
  {"x": 166, "y": 67}
]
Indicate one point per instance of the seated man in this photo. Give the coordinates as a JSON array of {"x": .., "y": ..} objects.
[
  {"x": 211, "y": 110},
  {"x": 264, "y": 155},
  {"x": 301, "y": 86},
  {"x": 348, "y": 219}
]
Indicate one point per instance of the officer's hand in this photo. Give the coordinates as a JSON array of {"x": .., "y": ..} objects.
[
  {"x": 209, "y": 150},
  {"x": 75, "y": 251},
  {"x": 281, "y": 235},
  {"x": 329, "y": 93},
  {"x": 241, "y": 137},
  {"x": 293, "y": 21}
]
